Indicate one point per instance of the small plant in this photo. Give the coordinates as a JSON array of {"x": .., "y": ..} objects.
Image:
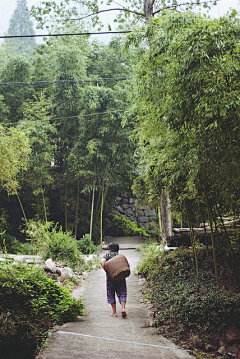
[{"x": 86, "y": 245}]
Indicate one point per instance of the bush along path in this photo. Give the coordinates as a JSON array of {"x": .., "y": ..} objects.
[
  {"x": 98, "y": 335},
  {"x": 193, "y": 311},
  {"x": 30, "y": 305}
]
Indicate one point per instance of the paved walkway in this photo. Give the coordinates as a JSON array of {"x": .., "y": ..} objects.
[{"x": 98, "y": 335}]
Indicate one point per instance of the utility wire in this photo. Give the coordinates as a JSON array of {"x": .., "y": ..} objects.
[
  {"x": 77, "y": 34},
  {"x": 67, "y": 117},
  {"x": 43, "y": 83}
]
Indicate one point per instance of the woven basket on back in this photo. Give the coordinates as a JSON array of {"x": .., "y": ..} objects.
[{"x": 117, "y": 267}]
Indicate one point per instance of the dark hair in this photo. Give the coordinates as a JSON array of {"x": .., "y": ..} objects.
[{"x": 114, "y": 247}]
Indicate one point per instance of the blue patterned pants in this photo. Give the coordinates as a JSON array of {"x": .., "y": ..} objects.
[{"x": 119, "y": 288}]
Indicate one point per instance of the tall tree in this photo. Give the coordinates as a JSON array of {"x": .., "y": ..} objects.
[
  {"x": 20, "y": 24},
  {"x": 131, "y": 11}
]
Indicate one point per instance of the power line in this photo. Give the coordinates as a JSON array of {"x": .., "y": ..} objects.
[
  {"x": 77, "y": 34},
  {"x": 43, "y": 83},
  {"x": 68, "y": 117}
]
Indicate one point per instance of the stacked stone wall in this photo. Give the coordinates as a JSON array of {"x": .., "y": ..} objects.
[{"x": 129, "y": 207}]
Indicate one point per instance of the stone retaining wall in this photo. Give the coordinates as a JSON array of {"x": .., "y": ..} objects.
[{"x": 129, "y": 206}]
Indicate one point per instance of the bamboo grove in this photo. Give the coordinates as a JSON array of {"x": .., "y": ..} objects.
[{"x": 187, "y": 113}]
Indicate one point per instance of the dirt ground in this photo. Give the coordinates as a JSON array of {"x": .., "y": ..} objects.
[{"x": 98, "y": 335}]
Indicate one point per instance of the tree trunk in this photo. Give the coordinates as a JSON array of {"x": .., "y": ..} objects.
[
  {"x": 148, "y": 10},
  {"x": 166, "y": 215},
  {"x": 24, "y": 215},
  {"x": 91, "y": 220}
]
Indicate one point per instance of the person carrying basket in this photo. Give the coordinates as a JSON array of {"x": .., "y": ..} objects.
[{"x": 117, "y": 287}]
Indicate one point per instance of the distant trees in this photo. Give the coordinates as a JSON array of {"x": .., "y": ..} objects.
[
  {"x": 68, "y": 100},
  {"x": 20, "y": 24}
]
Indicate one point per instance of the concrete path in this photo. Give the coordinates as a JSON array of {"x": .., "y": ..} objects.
[{"x": 98, "y": 335}]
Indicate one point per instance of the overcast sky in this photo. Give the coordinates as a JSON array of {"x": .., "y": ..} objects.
[{"x": 7, "y": 7}]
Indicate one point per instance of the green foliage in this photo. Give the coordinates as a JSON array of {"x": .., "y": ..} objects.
[
  {"x": 86, "y": 245},
  {"x": 13, "y": 245},
  {"x": 185, "y": 306},
  {"x": 30, "y": 304},
  {"x": 52, "y": 242},
  {"x": 187, "y": 111},
  {"x": 128, "y": 227},
  {"x": 14, "y": 152}
]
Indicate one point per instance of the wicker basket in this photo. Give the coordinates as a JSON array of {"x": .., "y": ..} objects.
[{"x": 117, "y": 267}]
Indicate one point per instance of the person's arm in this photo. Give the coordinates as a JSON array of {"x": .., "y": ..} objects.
[{"x": 103, "y": 262}]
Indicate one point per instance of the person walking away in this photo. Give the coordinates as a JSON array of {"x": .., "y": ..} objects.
[{"x": 114, "y": 287}]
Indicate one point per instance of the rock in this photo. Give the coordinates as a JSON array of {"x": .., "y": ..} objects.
[
  {"x": 118, "y": 198},
  {"x": 143, "y": 219},
  {"x": 47, "y": 269},
  {"x": 233, "y": 335},
  {"x": 140, "y": 207},
  {"x": 124, "y": 200},
  {"x": 149, "y": 212},
  {"x": 131, "y": 200},
  {"x": 125, "y": 205},
  {"x": 139, "y": 213},
  {"x": 49, "y": 262},
  {"x": 131, "y": 205},
  {"x": 120, "y": 209},
  {"x": 221, "y": 350},
  {"x": 129, "y": 212},
  {"x": 90, "y": 257},
  {"x": 58, "y": 271},
  {"x": 66, "y": 274}
]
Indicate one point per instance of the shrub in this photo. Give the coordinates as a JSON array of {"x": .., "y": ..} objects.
[
  {"x": 186, "y": 306},
  {"x": 12, "y": 245},
  {"x": 52, "y": 242},
  {"x": 86, "y": 245},
  {"x": 128, "y": 227},
  {"x": 30, "y": 304}
]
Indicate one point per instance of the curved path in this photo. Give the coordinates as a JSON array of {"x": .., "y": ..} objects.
[{"x": 98, "y": 335}]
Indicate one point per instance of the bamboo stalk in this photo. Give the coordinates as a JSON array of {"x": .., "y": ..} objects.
[
  {"x": 205, "y": 231},
  {"x": 212, "y": 237},
  {"x": 91, "y": 220},
  {"x": 24, "y": 215},
  {"x": 159, "y": 219},
  {"x": 193, "y": 243},
  {"x": 44, "y": 206},
  {"x": 77, "y": 205},
  {"x": 101, "y": 220}
]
